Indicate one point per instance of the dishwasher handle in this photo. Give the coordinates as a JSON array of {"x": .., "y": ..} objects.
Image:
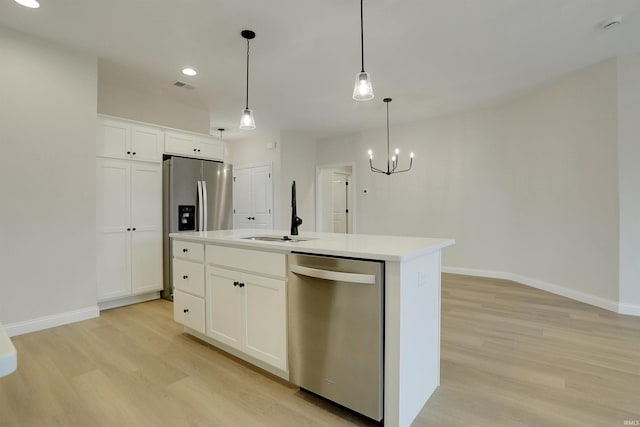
[{"x": 338, "y": 276}]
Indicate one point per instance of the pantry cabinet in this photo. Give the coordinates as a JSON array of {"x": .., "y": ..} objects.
[{"x": 129, "y": 227}]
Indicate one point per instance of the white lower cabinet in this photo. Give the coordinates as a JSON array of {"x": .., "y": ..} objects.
[
  {"x": 188, "y": 310},
  {"x": 249, "y": 313}
]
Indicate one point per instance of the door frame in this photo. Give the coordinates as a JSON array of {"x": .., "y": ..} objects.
[{"x": 353, "y": 209}]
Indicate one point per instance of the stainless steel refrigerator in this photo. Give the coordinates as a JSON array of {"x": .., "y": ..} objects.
[{"x": 196, "y": 197}]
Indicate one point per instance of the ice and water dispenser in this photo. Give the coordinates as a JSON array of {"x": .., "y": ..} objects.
[{"x": 186, "y": 218}]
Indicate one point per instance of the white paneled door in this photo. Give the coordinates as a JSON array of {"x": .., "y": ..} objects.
[{"x": 252, "y": 197}]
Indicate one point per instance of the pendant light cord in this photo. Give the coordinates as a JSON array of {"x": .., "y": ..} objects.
[
  {"x": 247, "y": 98},
  {"x": 362, "y": 35}
]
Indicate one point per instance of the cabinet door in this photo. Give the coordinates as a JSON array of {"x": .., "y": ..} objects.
[
  {"x": 261, "y": 195},
  {"x": 242, "y": 199},
  {"x": 113, "y": 207},
  {"x": 113, "y": 139},
  {"x": 146, "y": 226},
  {"x": 224, "y": 307},
  {"x": 211, "y": 149},
  {"x": 265, "y": 322},
  {"x": 146, "y": 143},
  {"x": 180, "y": 143}
]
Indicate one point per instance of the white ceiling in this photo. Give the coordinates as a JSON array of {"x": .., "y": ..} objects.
[{"x": 432, "y": 57}]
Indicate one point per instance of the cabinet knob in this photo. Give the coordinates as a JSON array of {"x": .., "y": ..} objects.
[
  {"x": 128, "y": 229},
  {"x": 134, "y": 229},
  {"x": 235, "y": 283},
  {"x": 186, "y": 310},
  {"x": 128, "y": 152},
  {"x": 185, "y": 250},
  {"x": 194, "y": 150},
  {"x": 134, "y": 153},
  {"x": 198, "y": 150},
  {"x": 185, "y": 277},
  {"x": 240, "y": 284}
]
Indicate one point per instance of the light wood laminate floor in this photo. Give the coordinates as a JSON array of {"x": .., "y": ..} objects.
[{"x": 511, "y": 356}]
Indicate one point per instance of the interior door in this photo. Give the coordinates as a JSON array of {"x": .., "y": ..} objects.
[
  {"x": 339, "y": 202},
  {"x": 146, "y": 227},
  {"x": 262, "y": 197},
  {"x": 242, "y": 199}
]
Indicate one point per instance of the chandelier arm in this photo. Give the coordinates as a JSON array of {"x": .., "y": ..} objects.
[
  {"x": 375, "y": 169},
  {"x": 408, "y": 169}
]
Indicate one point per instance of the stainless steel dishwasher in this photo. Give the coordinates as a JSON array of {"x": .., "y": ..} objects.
[{"x": 336, "y": 315}]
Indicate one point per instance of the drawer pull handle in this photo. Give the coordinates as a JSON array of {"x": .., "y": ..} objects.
[
  {"x": 185, "y": 277},
  {"x": 186, "y": 310},
  {"x": 185, "y": 250}
]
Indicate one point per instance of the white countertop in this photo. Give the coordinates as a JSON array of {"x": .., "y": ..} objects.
[{"x": 385, "y": 248}]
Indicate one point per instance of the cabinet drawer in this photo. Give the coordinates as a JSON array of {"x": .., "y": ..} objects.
[
  {"x": 188, "y": 250},
  {"x": 269, "y": 263},
  {"x": 188, "y": 310},
  {"x": 188, "y": 276}
]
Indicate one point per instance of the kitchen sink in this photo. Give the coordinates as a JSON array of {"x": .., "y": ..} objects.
[{"x": 276, "y": 238}]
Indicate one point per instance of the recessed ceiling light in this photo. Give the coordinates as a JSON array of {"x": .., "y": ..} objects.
[
  {"x": 32, "y": 4},
  {"x": 189, "y": 72}
]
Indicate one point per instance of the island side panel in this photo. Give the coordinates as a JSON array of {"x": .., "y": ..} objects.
[{"x": 412, "y": 336}]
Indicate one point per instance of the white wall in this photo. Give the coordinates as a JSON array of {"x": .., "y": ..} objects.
[
  {"x": 563, "y": 148},
  {"x": 47, "y": 181},
  {"x": 298, "y": 160},
  {"x": 174, "y": 107},
  {"x": 527, "y": 189},
  {"x": 629, "y": 180}
]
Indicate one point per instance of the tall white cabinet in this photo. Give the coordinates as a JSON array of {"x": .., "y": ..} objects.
[
  {"x": 128, "y": 212},
  {"x": 252, "y": 197}
]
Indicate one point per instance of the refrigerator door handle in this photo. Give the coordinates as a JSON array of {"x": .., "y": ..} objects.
[
  {"x": 200, "y": 209},
  {"x": 205, "y": 203}
]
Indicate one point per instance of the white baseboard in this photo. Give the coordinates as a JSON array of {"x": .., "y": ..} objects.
[
  {"x": 594, "y": 300},
  {"x": 120, "y": 302},
  {"x": 631, "y": 309},
  {"x": 46, "y": 322}
]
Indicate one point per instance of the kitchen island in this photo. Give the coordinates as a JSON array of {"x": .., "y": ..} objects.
[{"x": 411, "y": 301}]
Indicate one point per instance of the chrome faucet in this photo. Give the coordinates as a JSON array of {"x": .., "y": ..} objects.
[{"x": 295, "y": 219}]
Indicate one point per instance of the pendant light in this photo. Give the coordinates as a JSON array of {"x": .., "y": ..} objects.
[
  {"x": 247, "y": 121},
  {"x": 362, "y": 91},
  {"x": 392, "y": 162}
]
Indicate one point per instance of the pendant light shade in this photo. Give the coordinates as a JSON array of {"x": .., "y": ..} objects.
[
  {"x": 247, "y": 122},
  {"x": 362, "y": 90},
  {"x": 392, "y": 161}
]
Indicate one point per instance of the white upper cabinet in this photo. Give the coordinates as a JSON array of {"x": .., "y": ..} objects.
[
  {"x": 121, "y": 139},
  {"x": 193, "y": 145}
]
